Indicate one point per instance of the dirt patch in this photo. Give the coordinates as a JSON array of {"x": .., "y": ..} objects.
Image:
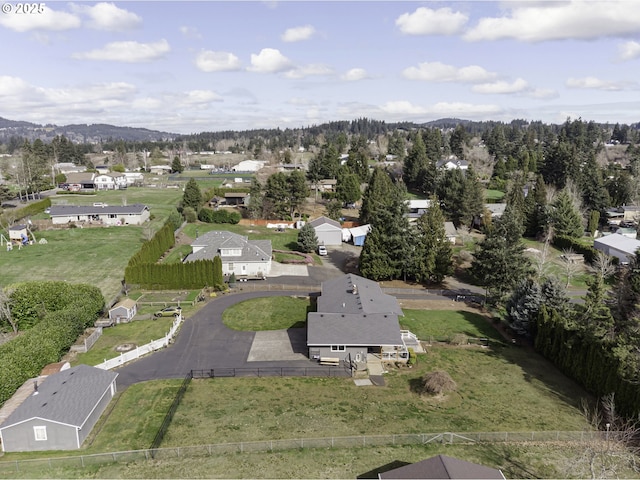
[{"x": 436, "y": 305}]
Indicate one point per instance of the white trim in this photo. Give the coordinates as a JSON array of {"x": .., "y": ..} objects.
[
  {"x": 338, "y": 348},
  {"x": 40, "y": 431}
]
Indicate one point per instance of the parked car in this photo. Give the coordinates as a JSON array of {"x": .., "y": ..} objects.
[
  {"x": 322, "y": 250},
  {"x": 168, "y": 312}
]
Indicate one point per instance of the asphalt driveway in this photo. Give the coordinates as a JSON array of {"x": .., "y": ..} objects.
[{"x": 204, "y": 343}]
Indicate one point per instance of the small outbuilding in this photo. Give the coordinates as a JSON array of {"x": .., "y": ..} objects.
[
  {"x": 61, "y": 411},
  {"x": 19, "y": 234},
  {"x": 328, "y": 231},
  {"x": 618, "y": 246},
  {"x": 124, "y": 311},
  {"x": 359, "y": 234}
]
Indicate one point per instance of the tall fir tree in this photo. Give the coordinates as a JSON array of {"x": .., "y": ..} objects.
[
  {"x": 376, "y": 194},
  {"x": 192, "y": 196},
  {"x": 307, "y": 239},
  {"x": 432, "y": 258},
  {"x": 566, "y": 220},
  {"x": 415, "y": 162}
]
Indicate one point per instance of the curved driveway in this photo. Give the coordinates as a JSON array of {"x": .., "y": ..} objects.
[{"x": 205, "y": 343}]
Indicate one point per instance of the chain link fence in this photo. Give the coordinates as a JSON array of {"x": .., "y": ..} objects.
[{"x": 7, "y": 469}]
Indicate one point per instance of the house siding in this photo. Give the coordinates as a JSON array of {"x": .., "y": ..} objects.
[
  {"x": 122, "y": 312},
  {"x": 21, "y": 438},
  {"x": 329, "y": 237},
  {"x": 325, "y": 351},
  {"x": 247, "y": 269},
  {"x": 93, "y": 418}
]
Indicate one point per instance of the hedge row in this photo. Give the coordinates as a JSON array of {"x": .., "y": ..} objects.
[
  {"x": 153, "y": 249},
  {"x": 218, "y": 216},
  {"x": 586, "y": 360},
  {"x": 25, "y": 356},
  {"x": 31, "y": 209},
  {"x": 171, "y": 276},
  {"x": 565, "y": 243}
]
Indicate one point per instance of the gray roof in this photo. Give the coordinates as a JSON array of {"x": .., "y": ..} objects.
[
  {"x": 619, "y": 242},
  {"x": 81, "y": 177},
  {"x": 441, "y": 467},
  {"x": 66, "y": 210},
  {"x": 368, "y": 297},
  {"x": 353, "y": 329},
  {"x": 450, "y": 229},
  {"x": 353, "y": 311},
  {"x": 325, "y": 220},
  {"x": 66, "y": 397},
  {"x": 212, "y": 242}
]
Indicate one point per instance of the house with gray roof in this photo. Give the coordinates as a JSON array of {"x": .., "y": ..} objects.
[
  {"x": 246, "y": 258},
  {"x": 61, "y": 411},
  {"x": 618, "y": 246},
  {"x": 354, "y": 317},
  {"x": 328, "y": 231},
  {"x": 442, "y": 467},
  {"x": 135, "y": 214}
]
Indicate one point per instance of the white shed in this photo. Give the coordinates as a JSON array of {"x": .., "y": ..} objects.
[
  {"x": 124, "y": 311},
  {"x": 328, "y": 231}
]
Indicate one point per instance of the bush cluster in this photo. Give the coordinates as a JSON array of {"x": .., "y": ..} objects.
[
  {"x": 31, "y": 209},
  {"x": 564, "y": 242},
  {"x": 218, "y": 216},
  {"x": 61, "y": 322}
]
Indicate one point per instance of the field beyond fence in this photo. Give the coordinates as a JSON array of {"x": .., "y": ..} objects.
[{"x": 9, "y": 468}]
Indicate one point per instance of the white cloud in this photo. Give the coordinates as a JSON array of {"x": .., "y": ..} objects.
[
  {"x": 10, "y": 86},
  {"x": 190, "y": 32},
  {"x": 298, "y": 101},
  {"x": 297, "y": 34},
  {"x": 269, "y": 60},
  {"x": 440, "y": 72},
  {"x": 445, "y": 109},
  {"x": 48, "y": 20},
  {"x": 629, "y": 51},
  {"x": 425, "y": 21},
  {"x": 107, "y": 16},
  {"x": 543, "y": 93},
  {"x": 574, "y": 19},
  {"x": 597, "y": 84},
  {"x": 210, "y": 61},
  {"x": 355, "y": 74},
  {"x": 309, "y": 70},
  {"x": 403, "y": 107},
  {"x": 128, "y": 52},
  {"x": 199, "y": 98},
  {"x": 502, "y": 87}
]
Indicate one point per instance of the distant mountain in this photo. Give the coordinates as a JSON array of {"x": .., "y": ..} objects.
[{"x": 79, "y": 133}]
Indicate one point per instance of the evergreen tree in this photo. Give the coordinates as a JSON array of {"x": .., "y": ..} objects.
[
  {"x": 457, "y": 141},
  {"x": 564, "y": 217},
  {"x": 450, "y": 189},
  {"x": 176, "y": 165},
  {"x": 500, "y": 261},
  {"x": 348, "y": 186},
  {"x": 358, "y": 160},
  {"x": 432, "y": 258},
  {"x": 192, "y": 196},
  {"x": 307, "y": 239},
  {"x": 595, "y": 315},
  {"x": 376, "y": 195},
  {"x": 472, "y": 200},
  {"x": 523, "y": 305},
  {"x": 218, "y": 278},
  {"x": 536, "y": 209},
  {"x": 415, "y": 163},
  {"x": 254, "y": 208},
  {"x": 334, "y": 209}
]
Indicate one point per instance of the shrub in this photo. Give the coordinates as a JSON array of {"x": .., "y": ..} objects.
[
  {"x": 438, "y": 382},
  {"x": 459, "y": 339},
  {"x": 189, "y": 214}
]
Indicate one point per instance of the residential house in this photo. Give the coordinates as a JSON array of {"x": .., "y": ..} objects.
[
  {"x": 134, "y": 178},
  {"x": 135, "y": 214},
  {"x": 417, "y": 208},
  {"x": 61, "y": 411},
  {"x": 442, "y": 467},
  {"x": 80, "y": 181},
  {"x": 246, "y": 258},
  {"x": 354, "y": 318},
  {"x": 248, "y": 166},
  {"x": 631, "y": 213},
  {"x": 328, "y": 231},
  {"x": 496, "y": 209},
  {"x": 110, "y": 181},
  {"x": 67, "y": 167},
  {"x": 618, "y": 246},
  {"x": 123, "y": 311},
  {"x": 452, "y": 163},
  {"x": 102, "y": 169},
  {"x": 160, "y": 169}
]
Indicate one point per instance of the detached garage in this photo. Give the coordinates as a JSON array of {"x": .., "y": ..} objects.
[
  {"x": 329, "y": 232},
  {"x": 123, "y": 311},
  {"x": 61, "y": 412},
  {"x": 617, "y": 245}
]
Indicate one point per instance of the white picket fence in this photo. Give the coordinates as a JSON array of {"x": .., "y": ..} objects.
[{"x": 143, "y": 349}]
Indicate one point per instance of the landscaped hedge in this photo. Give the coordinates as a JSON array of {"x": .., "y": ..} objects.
[
  {"x": 153, "y": 249},
  {"x": 218, "y": 216},
  {"x": 25, "y": 356},
  {"x": 31, "y": 209},
  {"x": 585, "y": 360},
  {"x": 565, "y": 243}
]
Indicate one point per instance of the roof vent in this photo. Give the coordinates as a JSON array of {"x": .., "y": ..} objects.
[
  {"x": 355, "y": 289},
  {"x": 35, "y": 387}
]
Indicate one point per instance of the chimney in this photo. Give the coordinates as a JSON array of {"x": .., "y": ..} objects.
[{"x": 35, "y": 387}]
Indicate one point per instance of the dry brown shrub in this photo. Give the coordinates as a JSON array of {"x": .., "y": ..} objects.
[{"x": 438, "y": 382}]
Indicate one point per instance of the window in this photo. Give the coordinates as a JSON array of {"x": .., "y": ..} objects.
[
  {"x": 40, "y": 433},
  {"x": 231, "y": 267},
  {"x": 337, "y": 348}
]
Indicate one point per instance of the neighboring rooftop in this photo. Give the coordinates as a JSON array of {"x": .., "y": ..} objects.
[
  {"x": 443, "y": 467},
  {"x": 64, "y": 210},
  {"x": 210, "y": 245},
  {"x": 354, "y": 294}
]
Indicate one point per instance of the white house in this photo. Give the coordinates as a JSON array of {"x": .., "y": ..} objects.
[
  {"x": 123, "y": 311},
  {"x": 417, "y": 208},
  {"x": 135, "y": 214},
  {"x": 160, "y": 169},
  {"x": 246, "y": 258},
  {"x": 110, "y": 181},
  {"x": 617, "y": 245},
  {"x": 248, "y": 166},
  {"x": 133, "y": 178},
  {"x": 453, "y": 163}
]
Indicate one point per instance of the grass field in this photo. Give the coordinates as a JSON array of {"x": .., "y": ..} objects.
[
  {"x": 270, "y": 313},
  {"x": 493, "y": 195},
  {"x": 96, "y": 256},
  {"x": 554, "y": 265},
  {"x": 444, "y": 324}
]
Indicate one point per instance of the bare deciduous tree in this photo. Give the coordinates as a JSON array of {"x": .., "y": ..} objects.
[
  {"x": 603, "y": 266},
  {"x": 570, "y": 265},
  {"x": 5, "y": 309}
]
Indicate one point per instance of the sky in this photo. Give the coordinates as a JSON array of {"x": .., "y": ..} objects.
[{"x": 188, "y": 67}]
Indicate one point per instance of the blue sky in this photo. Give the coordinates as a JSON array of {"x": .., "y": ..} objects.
[{"x": 187, "y": 67}]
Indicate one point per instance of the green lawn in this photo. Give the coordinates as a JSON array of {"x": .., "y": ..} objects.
[
  {"x": 444, "y": 324},
  {"x": 138, "y": 332},
  {"x": 270, "y": 313},
  {"x": 493, "y": 195},
  {"x": 96, "y": 256},
  {"x": 554, "y": 265}
]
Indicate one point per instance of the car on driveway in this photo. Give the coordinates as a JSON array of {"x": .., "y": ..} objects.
[
  {"x": 168, "y": 312},
  {"x": 322, "y": 250}
]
